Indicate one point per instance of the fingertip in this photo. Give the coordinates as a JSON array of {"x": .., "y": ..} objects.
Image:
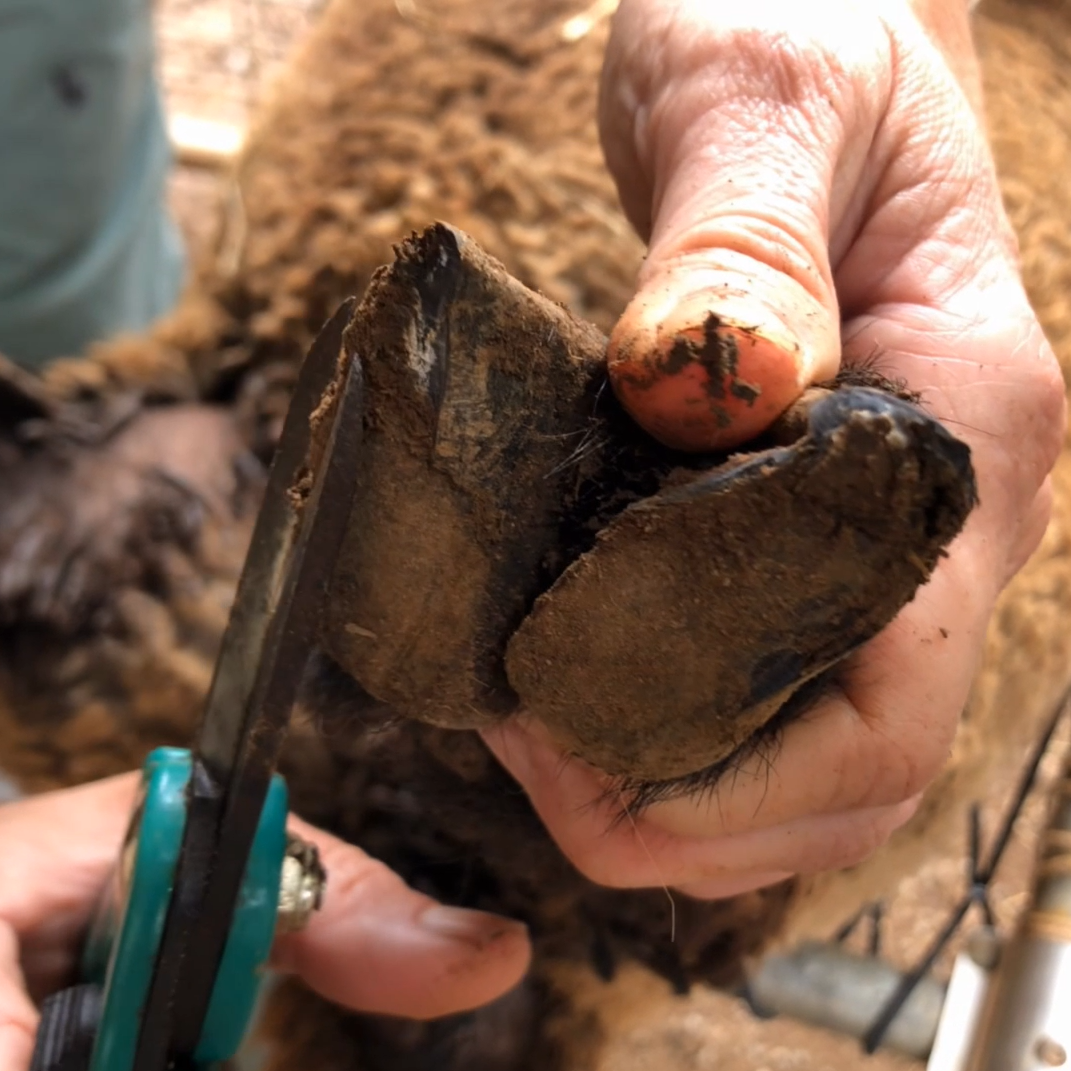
[
  {"x": 705, "y": 375},
  {"x": 379, "y": 946},
  {"x": 441, "y": 961}
]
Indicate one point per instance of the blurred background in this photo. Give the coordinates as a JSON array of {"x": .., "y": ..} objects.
[{"x": 217, "y": 59}]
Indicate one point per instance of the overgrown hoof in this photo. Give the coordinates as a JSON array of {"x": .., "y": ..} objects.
[
  {"x": 479, "y": 394},
  {"x": 519, "y": 544}
]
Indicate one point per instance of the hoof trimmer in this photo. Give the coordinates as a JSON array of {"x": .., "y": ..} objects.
[{"x": 176, "y": 953}]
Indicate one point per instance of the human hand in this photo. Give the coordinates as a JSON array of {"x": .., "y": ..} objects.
[
  {"x": 377, "y": 946},
  {"x": 816, "y": 177}
]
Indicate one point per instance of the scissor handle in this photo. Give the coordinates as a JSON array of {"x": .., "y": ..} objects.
[
  {"x": 68, "y": 1028},
  {"x": 94, "y": 1026}
]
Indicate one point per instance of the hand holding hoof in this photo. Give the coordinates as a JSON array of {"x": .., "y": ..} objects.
[
  {"x": 519, "y": 546},
  {"x": 817, "y": 192},
  {"x": 703, "y": 612}
]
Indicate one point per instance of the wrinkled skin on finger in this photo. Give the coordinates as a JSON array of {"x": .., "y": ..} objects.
[{"x": 816, "y": 180}]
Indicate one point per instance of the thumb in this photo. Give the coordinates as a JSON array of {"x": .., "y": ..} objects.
[
  {"x": 735, "y": 145},
  {"x": 378, "y": 946}
]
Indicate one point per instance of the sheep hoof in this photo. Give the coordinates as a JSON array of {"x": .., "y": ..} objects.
[
  {"x": 700, "y": 611},
  {"x": 477, "y": 394},
  {"x": 518, "y": 543}
]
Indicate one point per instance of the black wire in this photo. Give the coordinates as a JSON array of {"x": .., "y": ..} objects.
[
  {"x": 873, "y": 1038},
  {"x": 849, "y": 927},
  {"x": 974, "y": 851},
  {"x": 874, "y": 913},
  {"x": 979, "y": 878},
  {"x": 1025, "y": 785},
  {"x": 877, "y": 915}
]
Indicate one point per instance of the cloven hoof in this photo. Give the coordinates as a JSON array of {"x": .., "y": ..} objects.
[{"x": 518, "y": 544}]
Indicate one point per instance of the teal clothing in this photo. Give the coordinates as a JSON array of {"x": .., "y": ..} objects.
[{"x": 87, "y": 246}]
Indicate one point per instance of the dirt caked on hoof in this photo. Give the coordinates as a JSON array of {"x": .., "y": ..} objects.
[
  {"x": 702, "y": 609},
  {"x": 519, "y": 544},
  {"x": 478, "y": 394}
]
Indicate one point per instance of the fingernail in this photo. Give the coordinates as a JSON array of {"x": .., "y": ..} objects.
[
  {"x": 736, "y": 310},
  {"x": 742, "y": 340},
  {"x": 476, "y": 928},
  {"x": 906, "y": 811}
]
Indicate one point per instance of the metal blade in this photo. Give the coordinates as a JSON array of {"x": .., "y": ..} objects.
[
  {"x": 271, "y": 631},
  {"x": 287, "y": 567}
]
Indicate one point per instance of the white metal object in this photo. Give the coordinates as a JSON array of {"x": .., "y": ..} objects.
[
  {"x": 301, "y": 886},
  {"x": 1027, "y": 1025},
  {"x": 964, "y": 1001}
]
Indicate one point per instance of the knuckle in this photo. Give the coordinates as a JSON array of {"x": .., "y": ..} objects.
[
  {"x": 914, "y": 764},
  {"x": 905, "y": 765},
  {"x": 766, "y": 55}
]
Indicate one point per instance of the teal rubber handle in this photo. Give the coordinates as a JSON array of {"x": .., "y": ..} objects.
[{"x": 123, "y": 940}]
